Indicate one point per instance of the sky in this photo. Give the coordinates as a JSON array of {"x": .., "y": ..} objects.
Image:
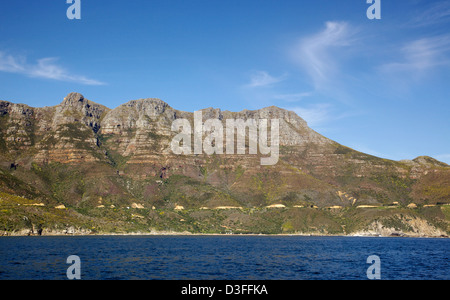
[{"x": 380, "y": 86}]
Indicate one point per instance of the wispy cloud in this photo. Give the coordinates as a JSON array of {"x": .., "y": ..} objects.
[
  {"x": 437, "y": 13},
  {"x": 315, "y": 53},
  {"x": 322, "y": 114},
  {"x": 43, "y": 68},
  {"x": 263, "y": 79},
  {"x": 422, "y": 55},
  {"x": 315, "y": 115}
]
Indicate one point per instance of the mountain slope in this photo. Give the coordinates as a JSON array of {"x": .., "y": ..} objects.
[{"x": 111, "y": 165}]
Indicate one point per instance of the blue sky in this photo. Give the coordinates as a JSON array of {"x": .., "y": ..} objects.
[{"x": 378, "y": 86}]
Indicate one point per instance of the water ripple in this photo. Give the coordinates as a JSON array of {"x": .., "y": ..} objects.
[{"x": 227, "y": 258}]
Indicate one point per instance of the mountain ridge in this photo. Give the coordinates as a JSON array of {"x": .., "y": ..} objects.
[
  {"x": 72, "y": 98},
  {"x": 91, "y": 159}
]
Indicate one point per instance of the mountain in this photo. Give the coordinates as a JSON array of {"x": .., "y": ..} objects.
[{"x": 82, "y": 167}]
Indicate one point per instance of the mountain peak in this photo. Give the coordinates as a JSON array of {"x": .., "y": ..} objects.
[
  {"x": 145, "y": 102},
  {"x": 72, "y": 99},
  {"x": 90, "y": 158},
  {"x": 76, "y": 108},
  {"x": 427, "y": 160}
]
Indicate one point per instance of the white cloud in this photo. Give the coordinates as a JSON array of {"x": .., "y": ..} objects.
[
  {"x": 315, "y": 115},
  {"x": 263, "y": 78},
  {"x": 316, "y": 53},
  {"x": 44, "y": 68},
  {"x": 437, "y": 13},
  {"x": 321, "y": 114},
  {"x": 422, "y": 55}
]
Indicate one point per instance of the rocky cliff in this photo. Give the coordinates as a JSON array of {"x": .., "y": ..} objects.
[{"x": 98, "y": 162}]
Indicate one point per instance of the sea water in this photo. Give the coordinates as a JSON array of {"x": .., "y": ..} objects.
[{"x": 223, "y": 257}]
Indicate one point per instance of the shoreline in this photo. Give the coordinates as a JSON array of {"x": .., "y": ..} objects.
[{"x": 168, "y": 233}]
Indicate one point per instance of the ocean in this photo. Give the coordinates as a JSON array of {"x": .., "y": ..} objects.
[{"x": 223, "y": 258}]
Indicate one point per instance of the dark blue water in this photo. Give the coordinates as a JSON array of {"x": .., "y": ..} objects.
[{"x": 223, "y": 257}]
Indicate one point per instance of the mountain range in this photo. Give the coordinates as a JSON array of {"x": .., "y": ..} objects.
[{"x": 82, "y": 168}]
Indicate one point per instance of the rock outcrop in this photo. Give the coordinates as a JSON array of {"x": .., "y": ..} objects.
[
  {"x": 406, "y": 226},
  {"x": 78, "y": 152}
]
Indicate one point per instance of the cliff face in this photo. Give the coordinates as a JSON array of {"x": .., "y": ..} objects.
[
  {"x": 64, "y": 133},
  {"x": 85, "y": 155}
]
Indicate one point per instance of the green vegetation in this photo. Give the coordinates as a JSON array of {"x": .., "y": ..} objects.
[
  {"x": 18, "y": 214},
  {"x": 316, "y": 188},
  {"x": 78, "y": 134},
  {"x": 446, "y": 212}
]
